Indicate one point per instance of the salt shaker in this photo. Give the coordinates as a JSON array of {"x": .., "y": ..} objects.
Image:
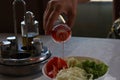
[{"x": 38, "y": 45}]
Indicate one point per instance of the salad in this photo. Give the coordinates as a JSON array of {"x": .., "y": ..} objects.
[{"x": 75, "y": 68}]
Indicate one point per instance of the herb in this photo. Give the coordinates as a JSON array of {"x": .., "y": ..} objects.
[{"x": 91, "y": 67}]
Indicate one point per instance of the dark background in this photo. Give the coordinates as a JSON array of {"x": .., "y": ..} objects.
[
  {"x": 6, "y": 14},
  {"x": 38, "y": 7}
]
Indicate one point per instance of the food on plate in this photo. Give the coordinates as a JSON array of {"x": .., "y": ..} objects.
[
  {"x": 54, "y": 65},
  {"x": 92, "y": 66},
  {"x": 75, "y": 68},
  {"x": 73, "y": 73}
]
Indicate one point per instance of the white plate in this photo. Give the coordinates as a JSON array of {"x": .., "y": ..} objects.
[
  {"x": 100, "y": 78},
  {"x": 46, "y": 76}
]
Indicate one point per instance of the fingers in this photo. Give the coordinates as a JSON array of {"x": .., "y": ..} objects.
[
  {"x": 71, "y": 18},
  {"x": 52, "y": 18},
  {"x": 47, "y": 12},
  {"x": 55, "y": 8},
  {"x": 72, "y": 14},
  {"x": 51, "y": 15}
]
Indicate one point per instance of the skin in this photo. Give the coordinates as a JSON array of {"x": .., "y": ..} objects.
[{"x": 55, "y": 8}]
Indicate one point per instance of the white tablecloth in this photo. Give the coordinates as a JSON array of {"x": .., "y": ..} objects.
[{"x": 107, "y": 50}]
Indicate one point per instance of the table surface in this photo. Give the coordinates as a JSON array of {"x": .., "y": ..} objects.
[{"x": 107, "y": 50}]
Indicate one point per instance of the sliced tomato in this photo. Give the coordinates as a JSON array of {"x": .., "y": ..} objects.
[
  {"x": 50, "y": 68},
  {"x": 53, "y": 72},
  {"x": 54, "y": 65},
  {"x": 61, "y": 64},
  {"x": 50, "y": 63}
]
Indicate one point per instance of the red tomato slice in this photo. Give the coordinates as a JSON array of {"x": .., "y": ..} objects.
[
  {"x": 61, "y": 64},
  {"x": 53, "y": 73},
  {"x": 54, "y": 65},
  {"x": 50, "y": 63}
]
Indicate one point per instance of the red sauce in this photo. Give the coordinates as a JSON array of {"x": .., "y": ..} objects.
[{"x": 61, "y": 33}]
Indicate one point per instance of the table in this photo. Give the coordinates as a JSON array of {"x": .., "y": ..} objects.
[{"x": 107, "y": 50}]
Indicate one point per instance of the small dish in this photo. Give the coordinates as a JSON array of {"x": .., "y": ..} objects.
[
  {"x": 104, "y": 76},
  {"x": 100, "y": 78},
  {"x": 46, "y": 76}
]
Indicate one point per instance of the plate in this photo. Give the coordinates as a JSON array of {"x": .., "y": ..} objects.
[
  {"x": 46, "y": 76},
  {"x": 82, "y": 59}
]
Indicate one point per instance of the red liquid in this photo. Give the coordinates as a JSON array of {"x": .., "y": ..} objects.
[{"x": 61, "y": 33}]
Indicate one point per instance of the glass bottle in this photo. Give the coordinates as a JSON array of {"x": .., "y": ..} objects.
[
  {"x": 61, "y": 32},
  {"x": 29, "y": 29}
]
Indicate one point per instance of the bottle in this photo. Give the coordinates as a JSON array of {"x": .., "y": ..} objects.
[
  {"x": 38, "y": 45},
  {"x": 29, "y": 29},
  {"x": 12, "y": 39},
  {"x": 61, "y": 32},
  {"x": 5, "y": 49}
]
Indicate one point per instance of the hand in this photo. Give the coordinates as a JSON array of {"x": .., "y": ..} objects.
[{"x": 57, "y": 7}]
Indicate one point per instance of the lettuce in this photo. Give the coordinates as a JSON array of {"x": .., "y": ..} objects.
[{"x": 91, "y": 67}]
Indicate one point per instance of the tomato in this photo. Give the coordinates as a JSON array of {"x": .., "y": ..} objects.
[
  {"x": 54, "y": 65},
  {"x": 50, "y": 63},
  {"x": 61, "y": 64}
]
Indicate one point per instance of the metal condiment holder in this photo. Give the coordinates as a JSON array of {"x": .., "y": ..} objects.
[{"x": 20, "y": 62}]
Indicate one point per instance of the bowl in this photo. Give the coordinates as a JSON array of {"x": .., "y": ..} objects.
[
  {"x": 49, "y": 78},
  {"x": 46, "y": 76},
  {"x": 104, "y": 76}
]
